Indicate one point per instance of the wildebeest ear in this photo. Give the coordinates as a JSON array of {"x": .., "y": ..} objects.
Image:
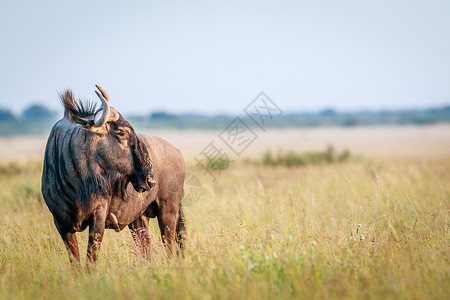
[{"x": 114, "y": 115}]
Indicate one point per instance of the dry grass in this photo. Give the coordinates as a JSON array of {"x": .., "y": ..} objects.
[{"x": 257, "y": 232}]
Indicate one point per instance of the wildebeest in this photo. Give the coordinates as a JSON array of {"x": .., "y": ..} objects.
[{"x": 99, "y": 173}]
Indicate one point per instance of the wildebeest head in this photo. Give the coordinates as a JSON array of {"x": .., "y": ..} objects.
[{"x": 112, "y": 144}]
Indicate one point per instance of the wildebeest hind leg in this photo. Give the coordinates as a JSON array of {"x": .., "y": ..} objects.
[
  {"x": 141, "y": 235},
  {"x": 70, "y": 241},
  {"x": 168, "y": 220}
]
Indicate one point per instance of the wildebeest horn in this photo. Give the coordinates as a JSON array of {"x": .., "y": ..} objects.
[
  {"x": 104, "y": 93},
  {"x": 102, "y": 114}
]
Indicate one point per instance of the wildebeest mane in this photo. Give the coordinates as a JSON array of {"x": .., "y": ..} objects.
[
  {"x": 140, "y": 153},
  {"x": 75, "y": 107}
]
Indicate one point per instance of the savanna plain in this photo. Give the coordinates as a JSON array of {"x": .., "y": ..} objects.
[{"x": 302, "y": 222}]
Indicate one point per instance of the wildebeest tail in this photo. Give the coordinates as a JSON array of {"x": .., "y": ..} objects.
[{"x": 181, "y": 228}]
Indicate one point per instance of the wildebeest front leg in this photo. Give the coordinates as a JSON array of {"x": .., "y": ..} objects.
[
  {"x": 72, "y": 247},
  {"x": 96, "y": 230},
  {"x": 70, "y": 241}
]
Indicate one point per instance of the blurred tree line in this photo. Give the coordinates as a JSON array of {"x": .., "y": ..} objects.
[
  {"x": 326, "y": 117},
  {"x": 38, "y": 119},
  {"x": 35, "y": 119},
  {"x": 31, "y": 113}
]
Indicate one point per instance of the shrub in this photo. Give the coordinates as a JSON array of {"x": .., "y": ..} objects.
[{"x": 292, "y": 158}]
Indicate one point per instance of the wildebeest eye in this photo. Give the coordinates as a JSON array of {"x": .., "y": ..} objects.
[{"x": 120, "y": 133}]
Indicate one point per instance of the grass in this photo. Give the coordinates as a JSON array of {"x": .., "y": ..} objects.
[{"x": 259, "y": 231}]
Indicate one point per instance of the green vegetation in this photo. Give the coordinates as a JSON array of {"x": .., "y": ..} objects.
[
  {"x": 292, "y": 158},
  {"x": 375, "y": 229}
]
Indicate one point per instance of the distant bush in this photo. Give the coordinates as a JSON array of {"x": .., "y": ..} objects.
[
  {"x": 161, "y": 115},
  {"x": 221, "y": 163},
  {"x": 292, "y": 158},
  {"x": 10, "y": 169},
  {"x": 351, "y": 121},
  {"x": 38, "y": 112},
  {"x": 14, "y": 168},
  {"x": 6, "y": 115}
]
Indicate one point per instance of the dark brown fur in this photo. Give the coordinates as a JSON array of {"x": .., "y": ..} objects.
[{"x": 92, "y": 176}]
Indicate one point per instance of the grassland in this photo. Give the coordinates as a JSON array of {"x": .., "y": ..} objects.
[{"x": 368, "y": 227}]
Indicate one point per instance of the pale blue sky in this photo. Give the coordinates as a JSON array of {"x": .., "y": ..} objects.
[{"x": 215, "y": 57}]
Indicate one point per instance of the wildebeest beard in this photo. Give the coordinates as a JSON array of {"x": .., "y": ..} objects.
[{"x": 98, "y": 186}]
